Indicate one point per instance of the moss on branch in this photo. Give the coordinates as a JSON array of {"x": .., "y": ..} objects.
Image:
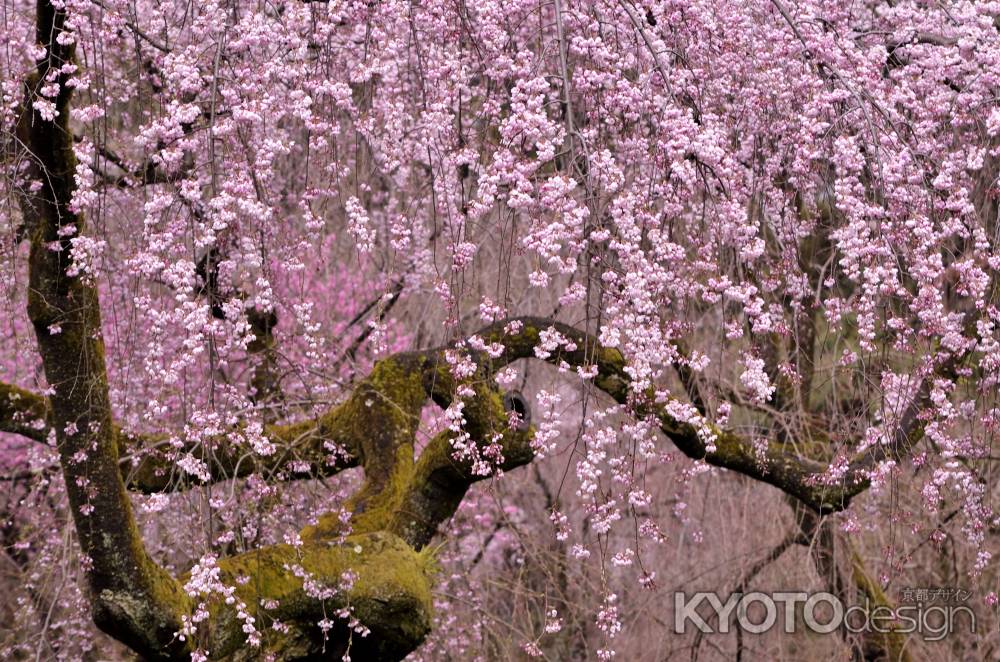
[
  {"x": 793, "y": 474},
  {"x": 391, "y": 596},
  {"x": 24, "y": 413}
]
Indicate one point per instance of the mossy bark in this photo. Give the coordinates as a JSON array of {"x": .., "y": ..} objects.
[
  {"x": 25, "y": 413},
  {"x": 391, "y": 596},
  {"x": 134, "y": 599}
]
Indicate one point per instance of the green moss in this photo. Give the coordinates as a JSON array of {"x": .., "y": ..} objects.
[
  {"x": 379, "y": 423},
  {"x": 379, "y": 509},
  {"x": 20, "y": 409},
  {"x": 391, "y": 595}
]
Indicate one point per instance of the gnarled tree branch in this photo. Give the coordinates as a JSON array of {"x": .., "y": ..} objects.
[{"x": 309, "y": 441}]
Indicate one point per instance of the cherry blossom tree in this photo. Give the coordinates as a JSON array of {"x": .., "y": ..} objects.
[{"x": 275, "y": 274}]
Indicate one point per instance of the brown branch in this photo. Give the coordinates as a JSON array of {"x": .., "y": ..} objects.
[
  {"x": 394, "y": 292},
  {"x": 266, "y": 386},
  {"x": 796, "y": 475},
  {"x": 813, "y": 251},
  {"x": 689, "y": 379},
  {"x": 895, "y": 59},
  {"x": 137, "y": 31},
  {"x": 773, "y": 554},
  {"x": 146, "y": 174},
  {"x": 148, "y": 461}
]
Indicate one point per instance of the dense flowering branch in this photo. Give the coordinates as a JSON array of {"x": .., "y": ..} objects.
[
  {"x": 794, "y": 206},
  {"x": 335, "y": 440}
]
